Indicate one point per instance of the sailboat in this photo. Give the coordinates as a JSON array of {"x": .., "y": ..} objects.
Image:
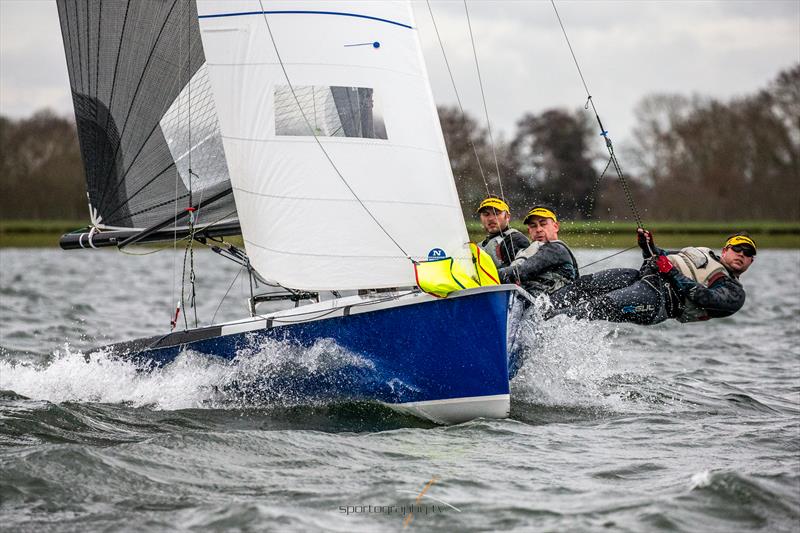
[{"x": 309, "y": 128}]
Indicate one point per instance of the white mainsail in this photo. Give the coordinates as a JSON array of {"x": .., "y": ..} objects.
[{"x": 357, "y": 72}]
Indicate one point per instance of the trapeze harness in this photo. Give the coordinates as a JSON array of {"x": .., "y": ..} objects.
[
  {"x": 493, "y": 245},
  {"x": 553, "y": 278},
  {"x": 701, "y": 265}
]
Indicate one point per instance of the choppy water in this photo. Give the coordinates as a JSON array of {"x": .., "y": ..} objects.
[{"x": 669, "y": 428}]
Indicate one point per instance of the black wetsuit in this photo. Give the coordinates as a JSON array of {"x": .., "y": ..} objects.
[
  {"x": 513, "y": 242},
  {"x": 545, "y": 271},
  {"x": 644, "y": 296}
]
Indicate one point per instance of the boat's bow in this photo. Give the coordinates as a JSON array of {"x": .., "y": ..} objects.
[{"x": 444, "y": 359}]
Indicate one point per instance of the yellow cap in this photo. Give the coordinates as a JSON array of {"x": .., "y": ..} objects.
[
  {"x": 497, "y": 203},
  {"x": 740, "y": 239},
  {"x": 540, "y": 212}
]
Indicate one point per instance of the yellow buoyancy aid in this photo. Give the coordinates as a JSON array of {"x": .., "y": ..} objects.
[
  {"x": 492, "y": 245},
  {"x": 484, "y": 266},
  {"x": 440, "y": 277}
]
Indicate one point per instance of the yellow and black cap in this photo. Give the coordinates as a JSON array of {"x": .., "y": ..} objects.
[
  {"x": 540, "y": 211},
  {"x": 741, "y": 240},
  {"x": 495, "y": 203}
]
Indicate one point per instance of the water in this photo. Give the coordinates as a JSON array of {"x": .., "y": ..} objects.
[{"x": 621, "y": 428}]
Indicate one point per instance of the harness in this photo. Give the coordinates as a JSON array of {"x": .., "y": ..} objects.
[
  {"x": 553, "y": 279},
  {"x": 494, "y": 244},
  {"x": 701, "y": 265}
]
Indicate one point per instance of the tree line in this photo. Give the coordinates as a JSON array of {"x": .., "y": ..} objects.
[
  {"x": 41, "y": 173},
  {"x": 692, "y": 158}
]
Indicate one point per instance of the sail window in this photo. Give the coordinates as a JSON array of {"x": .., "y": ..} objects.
[{"x": 328, "y": 112}]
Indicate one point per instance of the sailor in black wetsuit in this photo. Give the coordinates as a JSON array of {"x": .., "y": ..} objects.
[
  {"x": 503, "y": 243},
  {"x": 689, "y": 285},
  {"x": 547, "y": 264}
]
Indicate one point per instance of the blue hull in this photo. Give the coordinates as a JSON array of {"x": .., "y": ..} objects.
[{"x": 422, "y": 351}]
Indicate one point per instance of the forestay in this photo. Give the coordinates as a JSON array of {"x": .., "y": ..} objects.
[
  {"x": 144, "y": 111},
  {"x": 348, "y": 133}
]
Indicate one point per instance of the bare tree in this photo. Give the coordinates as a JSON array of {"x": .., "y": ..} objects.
[
  {"x": 711, "y": 160},
  {"x": 472, "y": 160},
  {"x": 41, "y": 174},
  {"x": 554, "y": 161}
]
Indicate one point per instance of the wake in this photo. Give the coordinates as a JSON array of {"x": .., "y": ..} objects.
[{"x": 192, "y": 380}]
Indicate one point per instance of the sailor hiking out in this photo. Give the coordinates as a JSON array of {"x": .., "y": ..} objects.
[
  {"x": 547, "y": 264},
  {"x": 502, "y": 243},
  {"x": 689, "y": 285}
]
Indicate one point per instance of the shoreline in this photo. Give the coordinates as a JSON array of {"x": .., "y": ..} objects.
[{"x": 611, "y": 235}]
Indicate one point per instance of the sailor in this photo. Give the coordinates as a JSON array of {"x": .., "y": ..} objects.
[
  {"x": 689, "y": 285},
  {"x": 547, "y": 264},
  {"x": 502, "y": 242}
]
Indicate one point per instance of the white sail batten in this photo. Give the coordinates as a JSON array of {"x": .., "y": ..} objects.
[{"x": 358, "y": 75}]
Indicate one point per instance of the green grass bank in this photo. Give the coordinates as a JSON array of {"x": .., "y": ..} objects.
[
  {"x": 767, "y": 234},
  {"x": 45, "y": 233}
]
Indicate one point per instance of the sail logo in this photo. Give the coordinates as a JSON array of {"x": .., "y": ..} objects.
[{"x": 436, "y": 254}]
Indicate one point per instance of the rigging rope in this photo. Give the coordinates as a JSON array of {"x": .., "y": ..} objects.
[
  {"x": 174, "y": 316},
  {"x": 608, "y": 257},
  {"x": 485, "y": 108},
  {"x": 192, "y": 213},
  {"x": 190, "y": 250},
  {"x": 314, "y": 133},
  {"x": 463, "y": 114},
  {"x": 226, "y": 294},
  {"x": 151, "y": 252},
  {"x": 603, "y": 131},
  {"x": 593, "y": 193},
  {"x": 458, "y": 98}
]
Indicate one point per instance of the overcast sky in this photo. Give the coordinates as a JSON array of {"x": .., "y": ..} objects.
[{"x": 626, "y": 49}]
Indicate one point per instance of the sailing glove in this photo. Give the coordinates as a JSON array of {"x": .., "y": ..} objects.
[
  {"x": 507, "y": 275},
  {"x": 645, "y": 240},
  {"x": 664, "y": 265}
]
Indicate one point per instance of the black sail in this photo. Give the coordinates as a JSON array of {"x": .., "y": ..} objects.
[{"x": 145, "y": 114}]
